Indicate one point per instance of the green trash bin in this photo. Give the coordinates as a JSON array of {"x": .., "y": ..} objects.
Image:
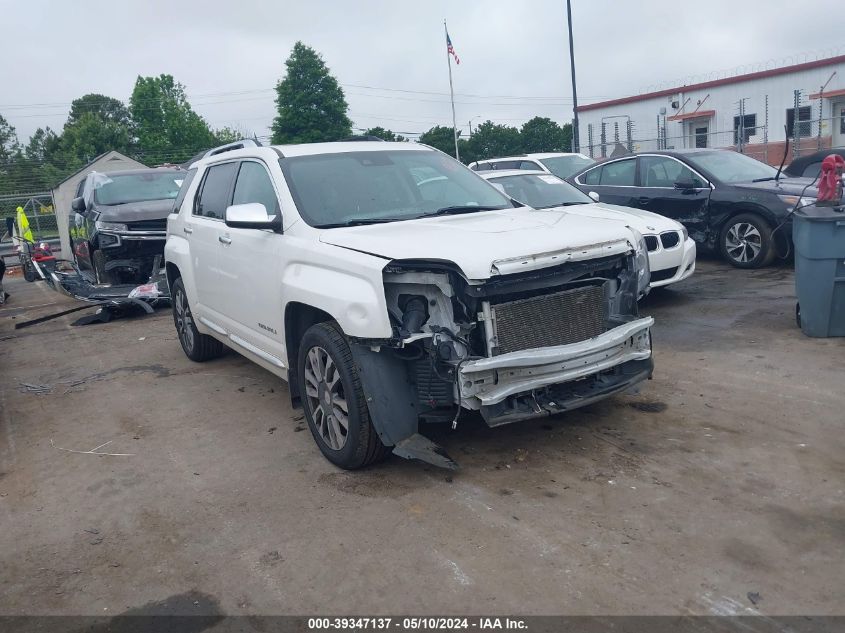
[{"x": 819, "y": 237}]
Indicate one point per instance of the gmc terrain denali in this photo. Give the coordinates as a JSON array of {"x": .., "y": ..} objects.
[{"x": 390, "y": 285}]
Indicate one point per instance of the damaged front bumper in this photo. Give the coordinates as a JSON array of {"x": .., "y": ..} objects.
[{"x": 488, "y": 382}]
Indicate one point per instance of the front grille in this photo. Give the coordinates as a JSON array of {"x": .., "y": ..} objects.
[
  {"x": 670, "y": 239},
  {"x": 651, "y": 242},
  {"x": 148, "y": 225},
  {"x": 555, "y": 319},
  {"x": 662, "y": 275}
]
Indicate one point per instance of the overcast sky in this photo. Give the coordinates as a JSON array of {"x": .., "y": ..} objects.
[{"x": 230, "y": 54}]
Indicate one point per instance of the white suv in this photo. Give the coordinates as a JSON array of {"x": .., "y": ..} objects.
[
  {"x": 389, "y": 285},
  {"x": 561, "y": 164}
]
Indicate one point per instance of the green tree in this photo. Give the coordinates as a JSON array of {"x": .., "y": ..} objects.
[
  {"x": 440, "y": 137},
  {"x": 9, "y": 153},
  {"x": 310, "y": 103},
  {"x": 166, "y": 127},
  {"x": 541, "y": 134},
  {"x": 107, "y": 108},
  {"x": 43, "y": 144},
  {"x": 381, "y": 133},
  {"x": 490, "y": 140}
]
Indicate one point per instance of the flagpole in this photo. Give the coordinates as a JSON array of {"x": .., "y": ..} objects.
[{"x": 452, "y": 95}]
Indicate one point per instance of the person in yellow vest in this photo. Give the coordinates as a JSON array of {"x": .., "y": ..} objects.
[{"x": 24, "y": 231}]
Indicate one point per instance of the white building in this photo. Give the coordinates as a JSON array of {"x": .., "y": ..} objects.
[
  {"x": 711, "y": 114},
  {"x": 68, "y": 189}
]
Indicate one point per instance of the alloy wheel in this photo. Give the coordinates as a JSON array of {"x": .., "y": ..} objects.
[
  {"x": 326, "y": 398},
  {"x": 184, "y": 319},
  {"x": 743, "y": 242}
]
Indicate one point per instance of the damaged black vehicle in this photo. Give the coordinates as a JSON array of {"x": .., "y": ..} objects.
[{"x": 119, "y": 223}]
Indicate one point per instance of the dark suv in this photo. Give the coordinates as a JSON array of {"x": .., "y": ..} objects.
[
  {"x": 119, "y": 223},
  {"x": 728, "y": 201}
]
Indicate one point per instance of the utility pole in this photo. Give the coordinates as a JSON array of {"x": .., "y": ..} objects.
[{"x": 575, "y": 144}]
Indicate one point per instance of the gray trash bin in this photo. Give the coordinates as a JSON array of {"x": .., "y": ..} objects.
[{"x": 819, "y": 237}]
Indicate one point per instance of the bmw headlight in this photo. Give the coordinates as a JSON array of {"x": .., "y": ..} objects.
[
  {"x": 110, "y": 226},
  {"x": 643, "y": 270},
  {"x": 796, "y": 202}
]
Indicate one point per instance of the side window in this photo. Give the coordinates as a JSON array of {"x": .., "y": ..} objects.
[
  {"x": 529, "y": 164},
  {"x": 662, "y": 171},
  {"x": 254, "y": 185},
  {"x": 214, "y": 196},
  {"x": 812, "y": 170},
  {"x": 592, "y": 177},
  {"x": 183, "y": 190},
  {"x": 620, "y": 173}
]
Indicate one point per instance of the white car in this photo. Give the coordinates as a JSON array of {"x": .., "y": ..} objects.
[
  {"x": 671, "y": 252},
  {"x": 390, "y": 286},
  {"x": 561, "y": 164}
]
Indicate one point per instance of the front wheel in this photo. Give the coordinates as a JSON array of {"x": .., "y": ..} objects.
[
  {"x": 334, "y": 401},
  {"x": 746, "y": 241},
  {"x": 197, "y": 346}
]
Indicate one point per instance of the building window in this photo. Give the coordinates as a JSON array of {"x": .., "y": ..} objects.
[
  {"x": 749, "y": 128},
  {"x": 804, "y": 123}
]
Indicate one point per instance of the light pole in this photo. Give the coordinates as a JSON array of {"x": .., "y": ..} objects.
[
  {"x": 477, "y": 116},
  {"x": 575, "y": 144}
]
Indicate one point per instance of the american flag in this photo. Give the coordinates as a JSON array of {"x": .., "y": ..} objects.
[{"x": 451, "y": 49}]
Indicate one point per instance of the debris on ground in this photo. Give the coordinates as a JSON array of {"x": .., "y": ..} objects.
[
  {"x": 26, "y": 387},
  {"x": 648, "y": 406},
  {"x": 754, "y": 597},
  {"x": 271, "y": 429}
]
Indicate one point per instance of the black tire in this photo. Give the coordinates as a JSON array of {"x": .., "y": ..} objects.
[
  {"x": 361, "y": 445},
  {"x": 746, "y": 241},
  {"x": 29, "y": 272},
  {"x": 798, "y": 315},
  {"x": 100, "y": 273},
  {"x": 198, "y": 347}
]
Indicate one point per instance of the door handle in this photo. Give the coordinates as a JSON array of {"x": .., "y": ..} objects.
[
  {"x": 187, "y": 229},
  {"x": 224, "y": 240},
  {"x": 643, "y": 201}
]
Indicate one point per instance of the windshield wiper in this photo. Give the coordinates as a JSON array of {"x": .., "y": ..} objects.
[
  {"x": 561, "y": 204},
  {"x": 764, "y": 179},
  {"x": 360, "y": 222},
  {"x": 460, "y": 208}
]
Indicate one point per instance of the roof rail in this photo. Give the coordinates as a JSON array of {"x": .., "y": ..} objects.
[
  {"x": 363, "y": 137},
  {"x": 228, "y": 147}
]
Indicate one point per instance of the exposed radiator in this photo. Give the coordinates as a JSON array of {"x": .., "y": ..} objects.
[{"x": 560, "y": 318}]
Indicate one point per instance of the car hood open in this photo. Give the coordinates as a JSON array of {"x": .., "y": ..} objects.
[{"x": 490, "y": 242}]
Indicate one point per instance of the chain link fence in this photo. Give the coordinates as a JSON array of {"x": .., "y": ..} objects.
[{"x": 39, "y": 211}]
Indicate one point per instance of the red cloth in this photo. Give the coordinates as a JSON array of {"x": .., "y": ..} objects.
[{"x": 830, "y": 180}]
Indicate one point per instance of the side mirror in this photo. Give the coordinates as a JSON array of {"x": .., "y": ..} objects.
[
  {"x": 686, "y": 185},
  {"x": 252, "y": 215},
  {"x": 594, "y": 196},
  {"x": 78, "y": 205}
]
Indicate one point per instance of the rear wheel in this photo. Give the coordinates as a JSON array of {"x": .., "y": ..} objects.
[
  {"x": 746, "y": 241},
  {"x": 197, "y": 346},
  {"x": 29, "y": 272},
  {"x": 334, "y": 401}
]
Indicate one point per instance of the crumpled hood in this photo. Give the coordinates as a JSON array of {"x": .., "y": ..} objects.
[
  {"x": 134, "y": 211},
  {"x": 643, "y": 221},
  {"x": 490, "y": 242}
]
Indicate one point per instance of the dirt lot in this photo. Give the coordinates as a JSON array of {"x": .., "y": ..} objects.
[{"x": 723, "y": 477}]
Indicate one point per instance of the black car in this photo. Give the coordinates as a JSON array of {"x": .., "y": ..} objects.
[
  {"x": 810, "y": 166},
  {"x": 728, "y": 201},
  {"x": 119, "y": 223}
]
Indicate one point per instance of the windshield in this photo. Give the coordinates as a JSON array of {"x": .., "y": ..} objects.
[
  {"x": 729, "y": 166},
  {"x": 565, "y": 166},
  {"x": 152, "y": 185},
  {"x": 384, "y": 186},
  {"x": 541, "y": 191}
]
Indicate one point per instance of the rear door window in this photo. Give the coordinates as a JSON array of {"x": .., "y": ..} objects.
[
  {"x": 620, "y": 174},
  {"x": 664, "y": 172},
  {"x": 216, "y": 190}
]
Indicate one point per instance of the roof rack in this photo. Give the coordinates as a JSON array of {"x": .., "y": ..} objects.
[
  {"x": 363, "y": 137},
  {"x": 220, "y": 149}
]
